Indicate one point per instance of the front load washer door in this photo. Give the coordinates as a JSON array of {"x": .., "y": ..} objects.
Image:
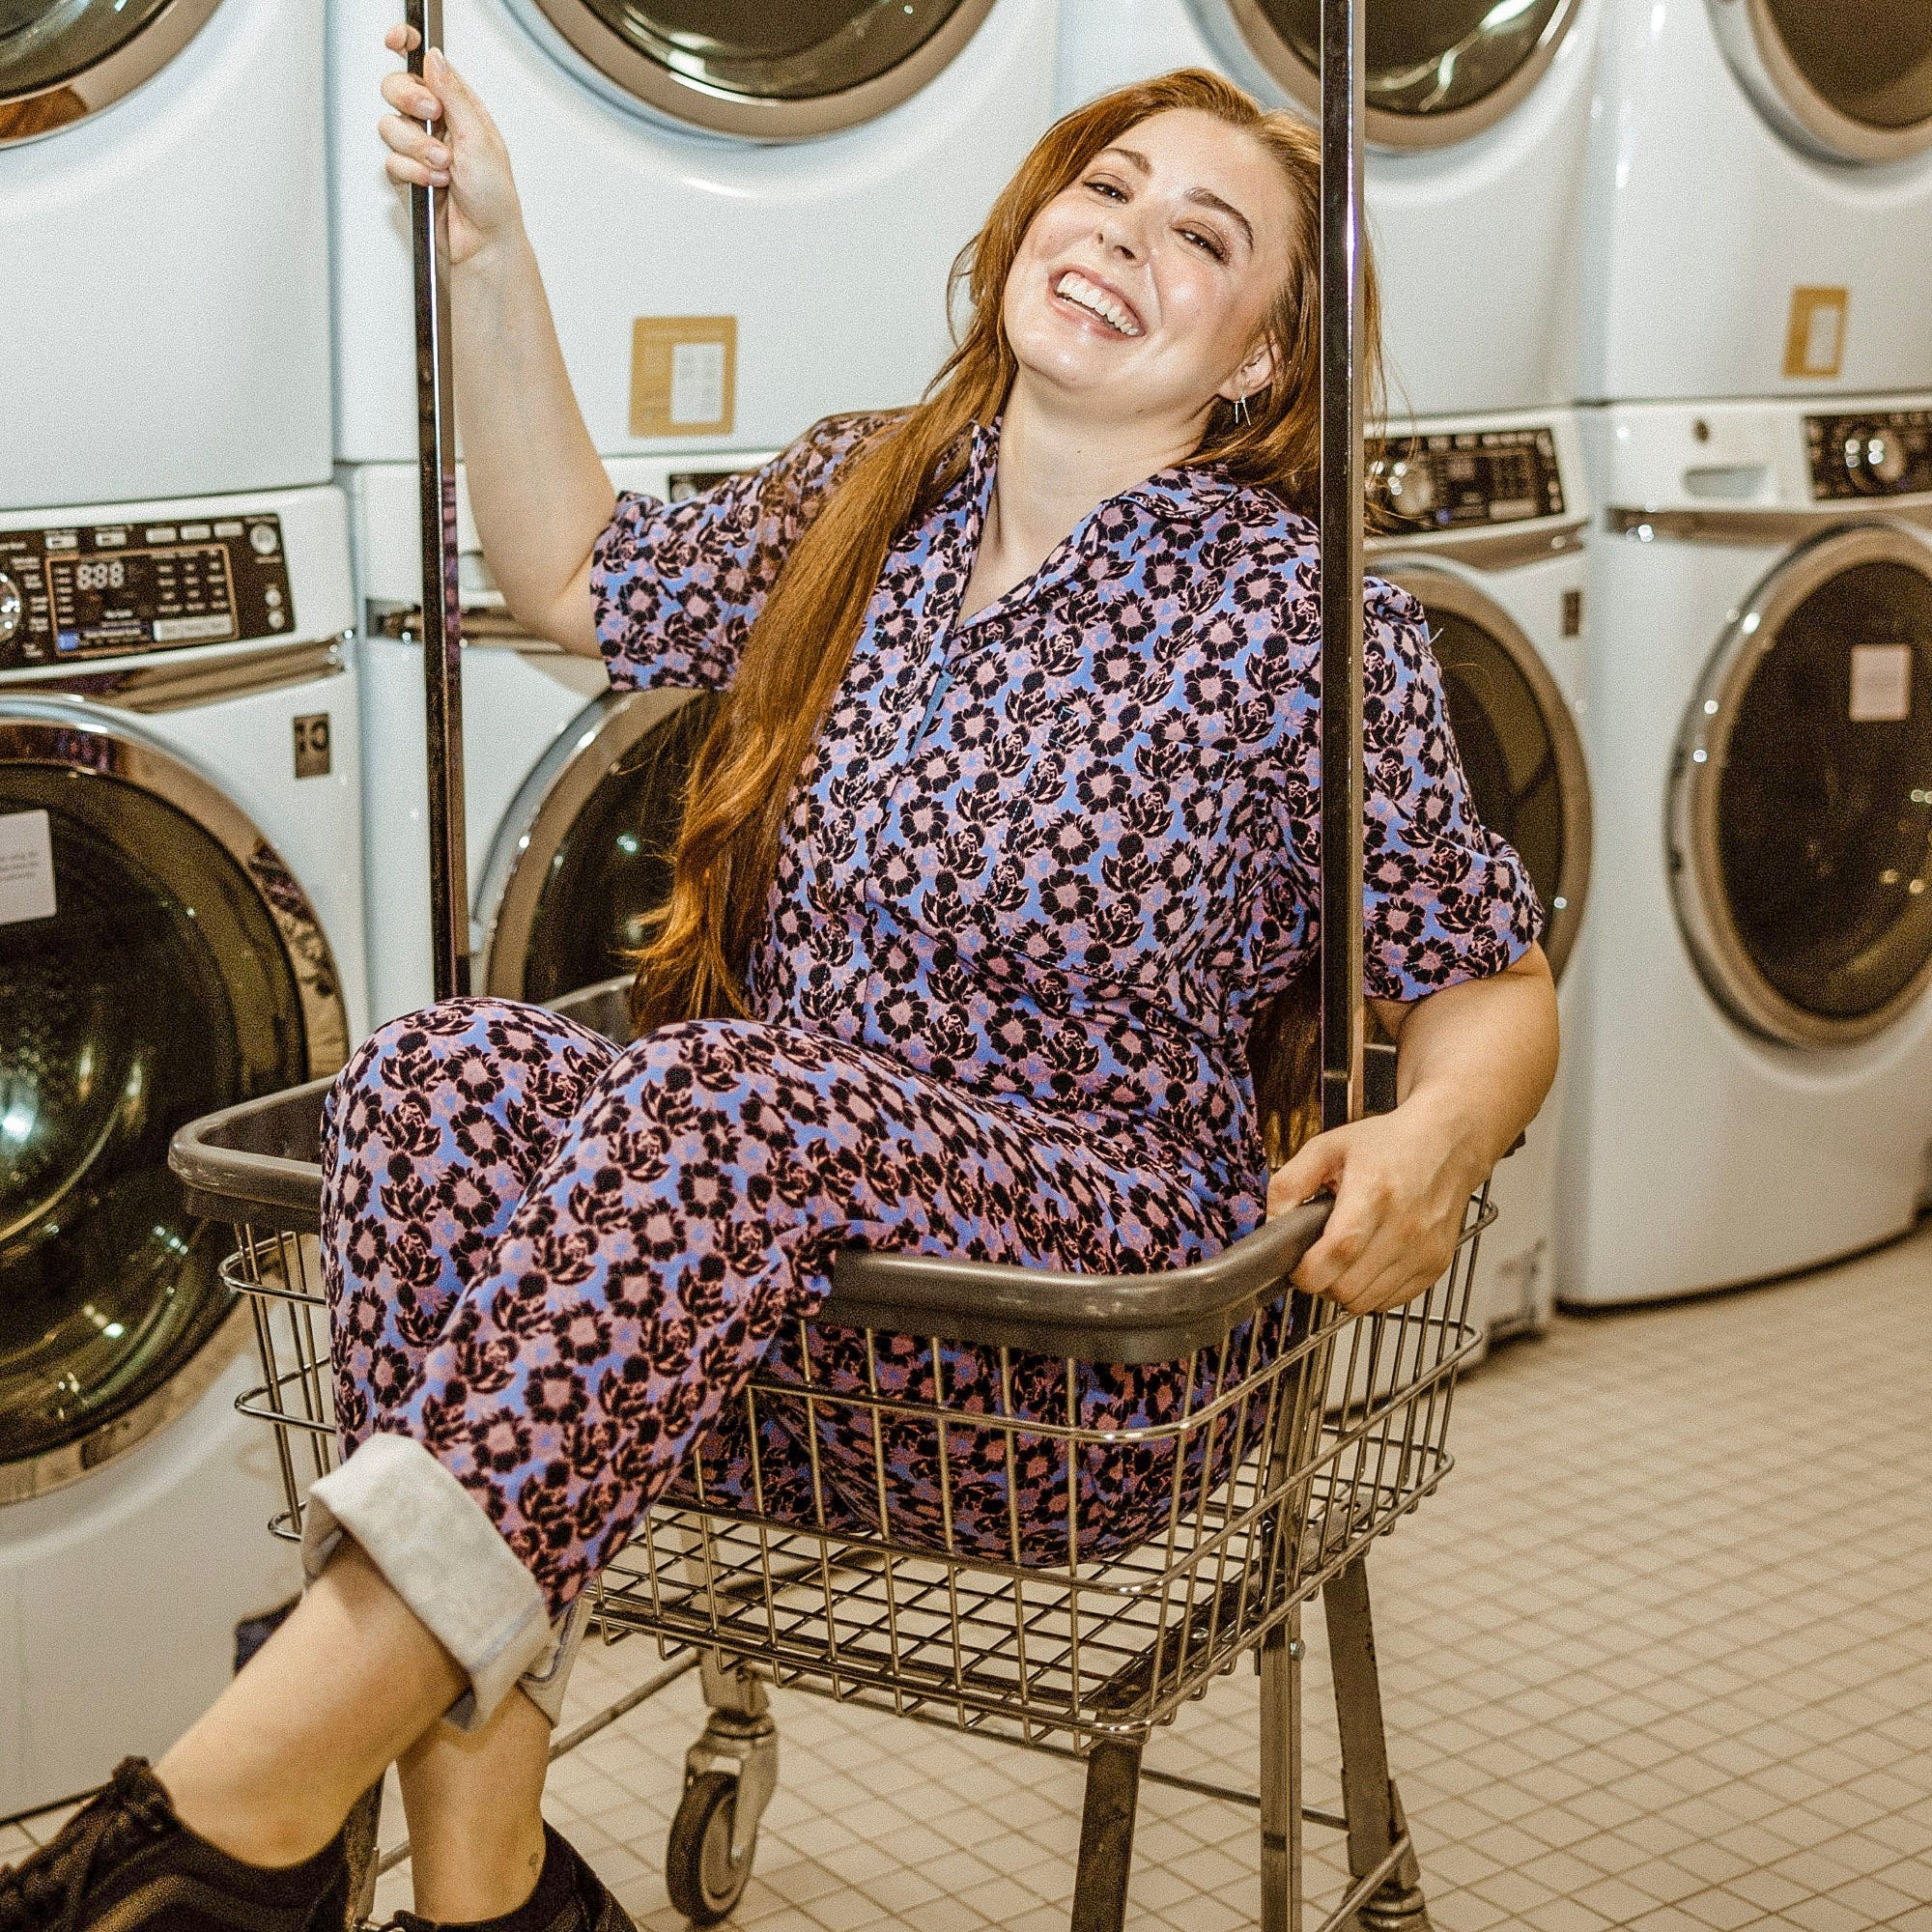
[
  {"x": 583, "y": 857},
  {"x": 1801, "y": 809},
  {"x": 63, "y": 59},
  {"x": 1848, "y": 81},
  {"x": 762, "y": 71},
  {"x": 1518, "y": 744},
  {"x": 1438, "y": 70},
  {"x": 180, "y": 969}
]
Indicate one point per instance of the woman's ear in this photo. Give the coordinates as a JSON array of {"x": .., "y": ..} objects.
[{"x": 1254, "y": 375}]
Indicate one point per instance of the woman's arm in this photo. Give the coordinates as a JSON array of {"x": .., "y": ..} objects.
[
  {"x": 1474, "y": 1063},
  {"x": 538, "y": 488}
]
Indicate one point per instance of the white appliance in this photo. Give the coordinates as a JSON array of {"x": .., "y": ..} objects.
[
  {"x": 1753, "y": 1080},
  {"x": 1478, "y": 125},
  {"x": 164, "y": 203},
  {"x": 1489, "y": 520},
  {"x": 746, "y": 216},
  {"x": 1760, "y": 207},
  {"x": 564, "y": 777},
  {"x": 181, "y": 928}
]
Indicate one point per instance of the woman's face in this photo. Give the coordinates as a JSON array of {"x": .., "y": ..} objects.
[{"x": 1143, "y": 286}]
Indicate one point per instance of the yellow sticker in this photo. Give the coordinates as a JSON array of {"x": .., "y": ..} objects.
[
  {"x": 684, "y": 375},
  {"x": 1814, "y": 339}
]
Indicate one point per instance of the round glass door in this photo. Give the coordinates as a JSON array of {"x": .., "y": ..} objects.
[
  {"x": 1802, "y": 813},
  {"x": 582, "y": 858},
  {"x": 1518, "y": 745},
  {"x": 63, "y": 59},
  {"x": 768, "y": 72},
  {"x": 1851, "y": 81},
  {"x": 1438, "y": 70},
  {"x": 159, "y": 987}
]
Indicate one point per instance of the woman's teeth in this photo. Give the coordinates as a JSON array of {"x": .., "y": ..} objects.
[{"x": 1074, "y": 287}]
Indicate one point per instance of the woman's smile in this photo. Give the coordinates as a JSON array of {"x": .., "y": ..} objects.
[{"x": 1094, "y": 302}]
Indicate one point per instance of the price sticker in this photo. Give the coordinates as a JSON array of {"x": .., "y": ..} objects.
[
  {"x": 26, "y": 868},
  {"x": 1881, "y": 684}
]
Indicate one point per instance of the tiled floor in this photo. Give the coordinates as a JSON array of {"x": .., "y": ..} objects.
[{"x": 1658, "y": 1655}]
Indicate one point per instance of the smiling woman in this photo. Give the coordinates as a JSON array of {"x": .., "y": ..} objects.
[{"x": 998, "y": 874}]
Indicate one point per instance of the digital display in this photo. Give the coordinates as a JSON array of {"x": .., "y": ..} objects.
[{"x": 172, "y": 596}]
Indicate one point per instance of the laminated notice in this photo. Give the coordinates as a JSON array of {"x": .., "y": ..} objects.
[
  {"x": 1881, "y": 684},
  {"x": 684, "y": 375},
  {"x": 26, "y": 868}
]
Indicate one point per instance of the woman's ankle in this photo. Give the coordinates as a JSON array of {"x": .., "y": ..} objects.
[{"x": 219, "y": 1807}]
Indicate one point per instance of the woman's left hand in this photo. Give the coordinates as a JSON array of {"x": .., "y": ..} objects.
[{"x": 1402, "y": 1184}]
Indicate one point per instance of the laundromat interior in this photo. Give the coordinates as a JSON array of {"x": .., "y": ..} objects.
[{"x": 1655, "y": 459}]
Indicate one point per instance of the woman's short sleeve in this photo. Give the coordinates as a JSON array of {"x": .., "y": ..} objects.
[
  {"x": 1444, "y": 899},
  {"x": 677, "y": 586}
]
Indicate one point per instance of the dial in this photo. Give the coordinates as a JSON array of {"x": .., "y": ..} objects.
[
  {"x": 1412, "y": 486},
  {"x": 1875, "y": 457},
  {"x": 13, "y": 609}
]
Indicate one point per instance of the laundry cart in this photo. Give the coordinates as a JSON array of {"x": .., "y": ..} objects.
[{"x": 1298, "y": 1437}]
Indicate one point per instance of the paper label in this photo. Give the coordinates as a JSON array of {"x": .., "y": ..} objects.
[
  {"x": 696, "y": 381},
  {"x": 26, "y": 868},
  {"x": 1814, "y": 334},
  {"x": 1881, "y": 684},
  {"x": 684, "y": 373}
]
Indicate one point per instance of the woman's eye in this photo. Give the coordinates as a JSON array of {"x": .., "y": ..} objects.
[
  {"x": 1206, "y": 242},
  {"x": 1106, "y": 187}
]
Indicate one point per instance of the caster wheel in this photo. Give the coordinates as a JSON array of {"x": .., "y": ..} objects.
[{"x": 704, "y": 1881}]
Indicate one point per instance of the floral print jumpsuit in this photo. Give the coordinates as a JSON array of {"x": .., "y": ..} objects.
[{"x": 1043, "y": 869}]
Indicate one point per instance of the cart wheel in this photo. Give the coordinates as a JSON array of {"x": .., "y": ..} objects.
[{"x": 704, "y": 1881}]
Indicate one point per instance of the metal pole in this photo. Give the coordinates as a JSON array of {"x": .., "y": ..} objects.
[
  {"x": 441, "y": 603},
  {"x": 1343, "y": 108}
]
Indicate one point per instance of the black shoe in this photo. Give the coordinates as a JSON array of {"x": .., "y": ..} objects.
[
  {"x": 125, "y": 1859},
  {"x": 569, "y": 1897}
]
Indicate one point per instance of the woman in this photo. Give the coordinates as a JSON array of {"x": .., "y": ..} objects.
[{"x": 1000, "y": 852}]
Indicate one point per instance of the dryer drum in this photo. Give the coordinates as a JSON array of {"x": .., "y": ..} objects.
[
  {"x": 1519, "y": 746},
  {"x": 181, "y": 970},
  {"x": 766, "y": 72},
  {"x": 1851, "y": 81},
  {"x": 1438, "y": 70},
  {"x": 583, "y": 857},
  {"x": 1801, "y": 809},
  {"x": 63, "y": 59}
]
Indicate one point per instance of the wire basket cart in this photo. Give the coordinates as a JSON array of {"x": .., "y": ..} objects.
[{"x": 1296, "y": 1436}]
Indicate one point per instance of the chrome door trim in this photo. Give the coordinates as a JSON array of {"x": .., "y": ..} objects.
[
  {"x": 74, "y": 735},
  {"x": 1485, "y": 549},
  {"x": 47, "y": 110},
  {"x": 1430, "y": 585},
  {"x": 1263, "y": 44},
  {"x": 159, "y": 685},
  {"x": 1755, "y": 527},
  {"x": 695, "y": 103},
  {"x": 1782, "y": 92},
  {"x": 1694, "y": 863},
  {"x": 597, "y": 741}
]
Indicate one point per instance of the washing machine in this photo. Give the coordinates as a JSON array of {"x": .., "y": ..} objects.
[
  {"x": 163, "y": 195},
  {"x": 1477, "y": 131},
  {"x": 1485, "y": 522},
  {"x": 1754, "y": 1072},
  {"x": 1760, "y": 207},
  {"x": 566, "y": 780},
  {"x": 181, "y": 928},
  {"x": 746, "y": 216}
]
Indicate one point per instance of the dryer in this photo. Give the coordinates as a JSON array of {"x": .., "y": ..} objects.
[
  {"x": 1478, "y": 124},
  {"x": 1753, "y": 1078},
  {"x": 181, "y": 928},
  {"x": 564, "y": 779},
  {"x": 1760, "y": 207},
  {"x": 163, "y": 197},
  {"x": 746, "y": 216},
  {"x": 1486, "y": 518}
]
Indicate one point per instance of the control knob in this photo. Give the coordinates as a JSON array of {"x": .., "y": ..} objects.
[
  {"x": 1875, "y": 458},
  {"x": 1411, "y": 487},
  {"x": 13, "y": 609}
]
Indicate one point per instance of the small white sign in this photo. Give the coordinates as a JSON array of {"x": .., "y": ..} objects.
[
  {"x": 1881, "y": 684},
  {"x": 193, "y": 629},
  {"x": 26, "y": 868},
  {"x": 696, "y": 381}
]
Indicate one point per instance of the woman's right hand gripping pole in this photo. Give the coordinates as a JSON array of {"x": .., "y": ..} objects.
[{"x": 536, "y": 485}]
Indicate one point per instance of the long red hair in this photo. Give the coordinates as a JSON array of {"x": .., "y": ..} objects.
[{"x": 798, "y": 650}]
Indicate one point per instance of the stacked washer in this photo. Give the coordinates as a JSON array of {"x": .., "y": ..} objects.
[
  {"x": 746, "y": 219},
  {"x": 1478, "y": 122},
  {"x": 1755, "y": 1078},
  {"x": 180, "y": 875}
]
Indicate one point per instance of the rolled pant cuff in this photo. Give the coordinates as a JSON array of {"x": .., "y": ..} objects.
[{"x": 440, "y": 1552}]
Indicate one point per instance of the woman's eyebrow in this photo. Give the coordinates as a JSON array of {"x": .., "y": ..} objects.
[{"x": 1207, "y": 198}]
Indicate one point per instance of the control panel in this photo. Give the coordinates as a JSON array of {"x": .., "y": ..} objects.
[
  {"x": 98, "y": 590},
  {"x": 1467, "y": 479},
  {"x": 1880, "y": 453}
]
